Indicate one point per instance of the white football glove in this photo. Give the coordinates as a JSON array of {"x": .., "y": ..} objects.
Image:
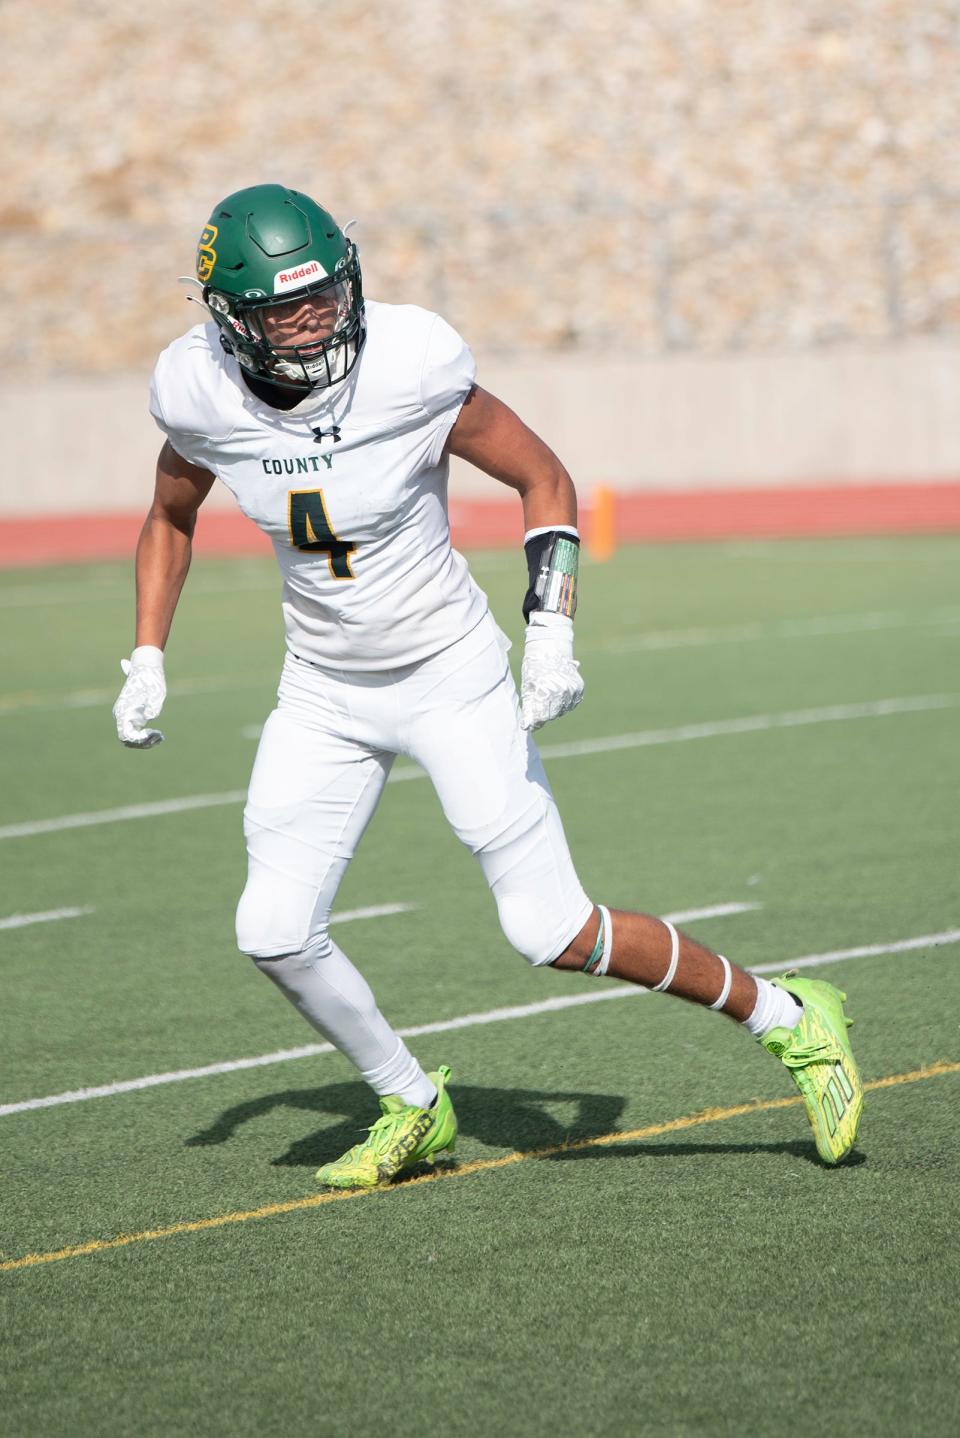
[
  {"x": 141, "y": 697},
  {"x": 550, "y": 683}
]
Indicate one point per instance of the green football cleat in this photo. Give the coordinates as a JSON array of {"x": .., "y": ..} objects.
[
  {"x": 402, "y": 1136},
  {"x": 817, "y": 1053}
]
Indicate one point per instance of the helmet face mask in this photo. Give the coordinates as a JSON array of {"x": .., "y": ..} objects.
[{"x": 283, "y": 284}]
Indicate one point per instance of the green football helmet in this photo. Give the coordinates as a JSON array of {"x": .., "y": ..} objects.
[{"x": 282, "y": 282}]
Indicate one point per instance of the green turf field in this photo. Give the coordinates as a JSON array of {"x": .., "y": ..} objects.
[{"x": 699, "y": 1277}]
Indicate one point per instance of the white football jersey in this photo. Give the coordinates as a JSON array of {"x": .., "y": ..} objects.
[{"x": 351, "y": 485}]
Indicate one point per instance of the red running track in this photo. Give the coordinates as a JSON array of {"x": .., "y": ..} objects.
[{"x": 651, "y": 516}]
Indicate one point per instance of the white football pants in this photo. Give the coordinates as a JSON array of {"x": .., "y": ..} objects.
[
  {"x": 324, "y": 757},
  {"x": 323, "y": 760}
]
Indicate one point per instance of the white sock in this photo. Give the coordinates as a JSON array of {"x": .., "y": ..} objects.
[
  {"x": 775, "y": 1009},
  {"x": 403, "y": 1076},
  {"x": 336, "y": 999}
]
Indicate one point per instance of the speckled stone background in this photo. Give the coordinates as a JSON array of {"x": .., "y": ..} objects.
[{"x": 702, "y": 176}]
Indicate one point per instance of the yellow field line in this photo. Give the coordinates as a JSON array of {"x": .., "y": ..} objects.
[{"x": 483, "y": 1165}]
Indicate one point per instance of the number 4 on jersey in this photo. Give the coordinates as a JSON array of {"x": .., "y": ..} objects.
[{"x": 310, "y": 529}]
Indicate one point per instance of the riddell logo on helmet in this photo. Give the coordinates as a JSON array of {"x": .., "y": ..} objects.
[{"x": 302, "y": 275}]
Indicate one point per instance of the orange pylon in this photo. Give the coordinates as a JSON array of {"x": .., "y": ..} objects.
[{"x": 603, "y": 523}]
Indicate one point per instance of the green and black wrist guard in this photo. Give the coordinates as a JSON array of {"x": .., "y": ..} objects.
[{"x": 553, "y": 563}]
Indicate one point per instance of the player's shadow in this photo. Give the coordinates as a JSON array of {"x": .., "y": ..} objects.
[
  {"x": 499, "y": 1118},
  {"x": 515, "y": 1119},
  {"x": 798, "y": 1147}
]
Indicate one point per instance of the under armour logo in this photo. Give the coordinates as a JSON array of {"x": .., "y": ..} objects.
[{"x": 319, "y": 435}]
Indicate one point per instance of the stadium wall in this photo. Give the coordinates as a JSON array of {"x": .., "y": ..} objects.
[{"x": 810, "y": 442}]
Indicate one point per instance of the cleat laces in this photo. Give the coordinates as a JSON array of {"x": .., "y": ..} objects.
[
  {"x": 381, "y": 1136},
  {"x": 820, "y": 1051}
]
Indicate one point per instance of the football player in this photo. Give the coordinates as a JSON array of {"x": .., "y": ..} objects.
[{"x": 332, "y": 419}]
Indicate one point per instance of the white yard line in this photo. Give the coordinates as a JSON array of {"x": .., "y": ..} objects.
[
  {"x": 373, "y": 911},
  {"x": 865, "y": 951},
  {"x": 626, "y": 991},
  {"x": 129, "y": 811},
  {"x": 812, "y": 627},
  {"x": 95, "y": 698},
  {"x": 752, "y": 724},
  {"x": 258, "y": 578},
  {"x": 682, "y": 916},
  {"x": 31, "y": 596},
  {"x": 712, "y": 911},
  {"x": 650, "y": 642},
  {"x": 92, "y": 698},
  {"x": 489, "y": 1016},
  {"x": 23, "y": 921},
  {"x": 922, "y": 550},
  {"x": 749, "y": 724}
]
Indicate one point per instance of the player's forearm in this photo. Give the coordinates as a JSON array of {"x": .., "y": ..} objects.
[
  {"x": 163, "y": 559},
  {"x": 549, "y": 500}
]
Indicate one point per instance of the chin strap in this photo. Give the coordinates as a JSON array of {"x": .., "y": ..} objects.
[{"x": 189, "y": 280}]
